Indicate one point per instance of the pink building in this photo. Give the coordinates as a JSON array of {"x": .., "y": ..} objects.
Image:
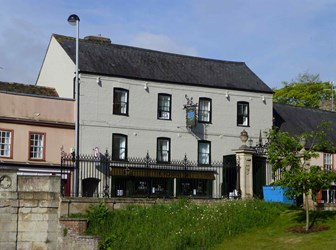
[{"x": 35, "y": 125}]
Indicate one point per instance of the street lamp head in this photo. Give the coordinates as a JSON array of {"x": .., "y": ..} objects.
[{"x": 72, "y": 19}]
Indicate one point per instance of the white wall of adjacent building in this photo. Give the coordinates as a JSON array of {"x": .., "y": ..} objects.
[{"x": 57, "y": 70}]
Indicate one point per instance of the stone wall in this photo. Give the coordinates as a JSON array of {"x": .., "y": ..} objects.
[{"x": 28, "y": 211}]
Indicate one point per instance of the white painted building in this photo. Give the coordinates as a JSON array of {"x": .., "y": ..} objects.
[{"x": 132, "y": 101}]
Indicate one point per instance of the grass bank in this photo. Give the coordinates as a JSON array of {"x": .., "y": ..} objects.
[
  {"x": 180, "y": 225},
  {"x": 277, "y": 237}
]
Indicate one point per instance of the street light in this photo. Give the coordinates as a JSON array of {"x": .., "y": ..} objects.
[
  {"x": 260, "y": 148},
  {"x": 74, "y": 20}
]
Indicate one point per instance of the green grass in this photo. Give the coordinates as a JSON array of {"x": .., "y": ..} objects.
[
  {"x": 276, "y": 236},
  {"x": 250, "y": 224},
  {"x": 181, "y": 225}
]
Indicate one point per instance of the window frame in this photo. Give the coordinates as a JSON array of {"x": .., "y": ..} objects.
[
  {"x": 115, "y": 102},
  {"x": 114, "y": 156},
  {"x": 43, "y": 147},
  {"x": 159, "y": 108},
  {"x": 328, "y": 165},
  {"x": 158, "y": 151},
  {"x": 209, "y": 112},
  {"x": 11, "y": 134},
  {"x": 241, "y": 116},
  {"x": 199, "y": 153}
]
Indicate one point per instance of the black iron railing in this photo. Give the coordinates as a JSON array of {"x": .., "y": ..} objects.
[{"x": 103, "y": 176}]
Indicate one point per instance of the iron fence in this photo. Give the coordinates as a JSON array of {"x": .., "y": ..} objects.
[{"x": 103, "y": 176}]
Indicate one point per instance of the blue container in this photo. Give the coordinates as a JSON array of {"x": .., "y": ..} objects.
[{"x": 276, "y": 194}]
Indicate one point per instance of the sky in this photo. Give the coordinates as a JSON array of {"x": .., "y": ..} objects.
[{"x": 278, "y": 40}]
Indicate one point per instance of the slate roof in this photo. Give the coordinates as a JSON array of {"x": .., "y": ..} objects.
[
  {"x": 136, "y": 63},
  {"x": 297, "y": 120},
  {"x": 13, "y": 87}
]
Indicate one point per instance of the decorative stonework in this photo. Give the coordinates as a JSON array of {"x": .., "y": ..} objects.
[
  {"x": 5, "y": 182},
  {"x": 8, "y": 180}
]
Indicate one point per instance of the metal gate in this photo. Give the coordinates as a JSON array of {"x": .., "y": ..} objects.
[
  {"x": 230, "y": 175},
  {"x": 259, "y": 175}
]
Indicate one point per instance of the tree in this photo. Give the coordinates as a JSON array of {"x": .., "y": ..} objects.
[
  {"x": 290, "y": 157},
  {"x": 306, "y": 91}
]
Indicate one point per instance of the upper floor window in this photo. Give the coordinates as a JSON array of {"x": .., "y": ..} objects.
[
  {"x": 243, "y": 115},
  {"x": 327, "y": 161},
  {"x": 204, "y": 110},
  {"x": 37, "y": 146},
  {"x": 163, "y": 150},
  {"x": 120, "y": 101},
  {"x": 6, "y": 143},
  {"x": 164, "y": 107},
  {"x": 119, "y": 147},
  {"x": 204, "y": 152}
]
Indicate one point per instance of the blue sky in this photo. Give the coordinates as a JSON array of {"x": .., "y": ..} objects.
[{"x": 277, "y": 39}]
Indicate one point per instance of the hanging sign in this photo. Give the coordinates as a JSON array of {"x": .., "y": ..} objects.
[{"x": 191, "y": 115}]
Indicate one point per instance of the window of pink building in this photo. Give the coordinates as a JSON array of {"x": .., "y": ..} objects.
[
  {"x": 37, "y": 146},
  {"x": 6, "y": 143}
]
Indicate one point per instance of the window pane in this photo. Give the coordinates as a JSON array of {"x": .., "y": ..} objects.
[
  {"x": 120, "y": 99},
  {"x": 119, "y": 147},
  {"x": 164, "y": 106},
  {"x": 204, "y": 110},
  {"x": 243, "y": 114},
  {"x": 36, "y": 146},
  {"x": 5, "y": 143},
  {"x": 327, "y": 161},
  {"x": 163, "y": 150},
  {"x": 204, "y": 153}
]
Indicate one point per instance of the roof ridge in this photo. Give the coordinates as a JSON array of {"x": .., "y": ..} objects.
[{"x": 302, "y": 107}]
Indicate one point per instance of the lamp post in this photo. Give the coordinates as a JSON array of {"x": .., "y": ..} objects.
[{"x": 74, "y": 20}]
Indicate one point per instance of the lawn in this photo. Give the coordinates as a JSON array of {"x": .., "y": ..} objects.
[
  {"x": 276, "y": 236},
  {"x": 243, "y": 224},
  {"x": 180, "y": 225}
]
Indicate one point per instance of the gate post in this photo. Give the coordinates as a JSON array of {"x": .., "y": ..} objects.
[{"x": 244, "y": 161}]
